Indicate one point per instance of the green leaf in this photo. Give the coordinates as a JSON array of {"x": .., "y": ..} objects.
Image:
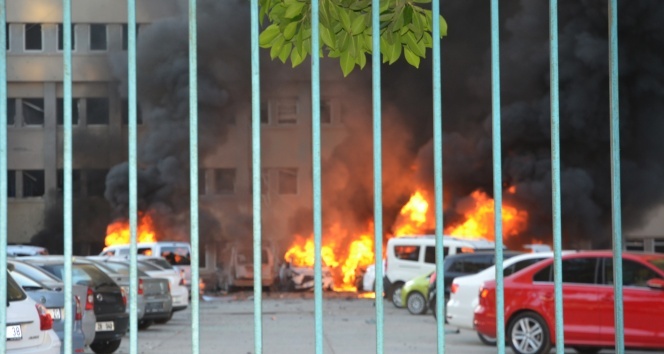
[
  {"x": 345, "y": 20},
  {"x": 296, "y": 58},
  {"x": 360, "y": 5},
  {"x": 407, "y": 14},
  {"x": 290, "y": 30},
  {"x": 361, "y": 60},
  {"x": 347, "y": 63},
  {"x": 417, "y": 26},
  {"x": 328, "y": 37},
  {"x": 443, "y": 27},
  {"x": 358, "y": 25},
  {"x": 394, "y": 52},
  {"x": 368, "y": 42},
  {"x": 411, "y": 43},
  {"x": 411, "y": 58},
  {"x": 276, "y": 47},
  {"x": 268, "y": 35},
  {"x": 294, "y": 9},
  {"x": 285, "y": 52},
  {"x": 343, "y": 40}
]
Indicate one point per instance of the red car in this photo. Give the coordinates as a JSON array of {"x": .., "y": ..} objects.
[{"x": 587, "y": 304}]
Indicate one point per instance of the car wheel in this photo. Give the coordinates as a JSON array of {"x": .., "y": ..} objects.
[
  {"x": 587, "y": 350},
  {"x": 396, "y": 294},
  {"x": 416, "y": 303},
  {"x": 529, "y": 334},
  {"x": 486, "y": 339},
  {"x": 105, "y": 347},
  {"x": 165, "y": 320},
  {"x": 144, "y": 324}
]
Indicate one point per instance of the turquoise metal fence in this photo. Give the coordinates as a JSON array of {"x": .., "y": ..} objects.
[{"x": 317, "y": 189}]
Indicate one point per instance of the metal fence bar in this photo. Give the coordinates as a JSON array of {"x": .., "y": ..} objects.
[
  {"x": 497, "y": 176},
  {"x": 256, "y": 176},
  {"x": 438, "y": 175},
  {"x": 3, "y": 169},
  {"x": 193, "y": 177},
  {"x": 616, "y": 218},
  {"x": 67, "y": 174},
  {"x": 378, "y": 173},
  {"x": 555, "y": 175},
  {"x": 133, "y": 176},
  {"x": 317, "y": 193}
]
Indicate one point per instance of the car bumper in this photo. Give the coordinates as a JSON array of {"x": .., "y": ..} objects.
[
  {"x": 50, "y": 345},
  {"x": 484, "y": 322},
  {"x": 158, "y": 309},
  {"x": 120, "y": 325},
  {"x": 458, "y": 315}
]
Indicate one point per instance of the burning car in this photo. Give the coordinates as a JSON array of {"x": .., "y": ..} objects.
[{"x": 293, "y": 277}]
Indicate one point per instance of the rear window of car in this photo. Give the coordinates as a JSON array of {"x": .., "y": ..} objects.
[
  {"x": 575, "y": 270},
  {"x": 511, "y": 269},
  {"x": 14, "y": 291},
  {"x": 407, "y": 253},
  {"x": 176, "y": 255},
  {"x": 659, "y": 263}
]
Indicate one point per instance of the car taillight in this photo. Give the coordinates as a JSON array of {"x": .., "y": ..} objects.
[
  {"x": 140, "y": 286},
  {"x": 90, "y": 300},
  {"x": 124, "y": 295},
  {"x": 45, "y": 319},
  {"x": 454, "y": 288},
  {"x": 484, "y": 293},
  {"x": 79, "y": 311},
  {"x": 432, "y": 279}
]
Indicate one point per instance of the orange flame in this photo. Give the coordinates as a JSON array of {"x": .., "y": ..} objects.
[
  {"x": 412, "y": 219},
  {"x": 117, "y": 233}
]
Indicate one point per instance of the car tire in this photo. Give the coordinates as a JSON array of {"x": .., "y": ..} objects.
[
  {"x": 528, "y": 333},
  {"x": 416, "y": 303},
  {"x": 164, "y": 320},
  {"x": 144, "y": 324},
  {"x": 105, "y": 347},
  {"x": 395, "y": 295},
  {"x": 587, "y": 350},
  {"x": 490, "y": 341}
]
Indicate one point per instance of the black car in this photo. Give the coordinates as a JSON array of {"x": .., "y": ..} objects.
[
  {"x": 462, "y": 264},
  {"x": 107, "y": 298}
]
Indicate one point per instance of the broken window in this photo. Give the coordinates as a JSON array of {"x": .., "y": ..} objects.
[
  {"x": 97, "y": 110},
  {"x": 224, "y": 179},
  {"x": 325, "y": 112},
  {"x": 33, "y": 36},
  {"x": 125, "y": 112},
  {"x": 33, "y": 111},
  {"x": 288, "y": 181},
  {"x": 75, "y": 182},
  {"x": 61, "y": 36},
  {"x": 98, "y": 37},
  {"x": 286, "y": 112},
  {"x": 11, "y": 183},
  {"x": 95, "y": 182},
  {"x": 125, "y": 35},
  {"x": 60, "y": 111},
  {"x": 33, "y": 183},
  {"x": 11, "y": 110}
]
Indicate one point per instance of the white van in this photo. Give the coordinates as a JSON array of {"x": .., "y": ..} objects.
[
  {"x": 14, "y": 250},
  {"x": 178, "y": 254},
  {"x": 411, "y": 256}
]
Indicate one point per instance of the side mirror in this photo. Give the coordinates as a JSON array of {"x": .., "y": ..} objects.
[{"x": 656, "y": 283}]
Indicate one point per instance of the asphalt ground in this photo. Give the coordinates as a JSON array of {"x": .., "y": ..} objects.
[{"x": 349, "y": 327}]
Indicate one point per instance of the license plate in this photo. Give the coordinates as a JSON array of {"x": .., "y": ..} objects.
[
  {"x": 56, "y": 314},
  {"x": 155, "y": 307},
  {"x": 104, "y": 326},
  {"x": 14, "y": 332}
]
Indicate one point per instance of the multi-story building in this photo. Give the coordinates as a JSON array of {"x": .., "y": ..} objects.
[{"x": 35, "y": 134}]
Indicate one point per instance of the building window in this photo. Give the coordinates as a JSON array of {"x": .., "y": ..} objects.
[
  {"x": 125, "y": 35},
  {"x": 33, "y": 111},
  {"x": 75, "y": 183},
  {"x": 97, "y": 111},
  {"x": 224, "y": 180},
  {"x": 325, "y": 112},
  {"x": 7, "y": 36},
  {"x": 60, "y": 108},
  {"x": 61, "y": 36},
  {"x": 265, "y": 113},
  {"x": 98, "y": 37},
  {"x": 33, "y": 36},
  {"x": 201, "y": 182},
  {"x": 33, "y": 183},
  {"x": 11, "y": 110},
  {"x": 95, "y": 182},
  {"x": 11, "y": 183},
  {"x": 286, "y": 111},
  {"x": 125, "y": 112},
  {"x": 288, "y": 181}
]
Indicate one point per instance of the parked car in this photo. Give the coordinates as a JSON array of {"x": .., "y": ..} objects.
[
  {"x": 292, "y": 278},
  {"x": 29, "y": 325},
  {"x": 412, "y": 256},
  {"x": 158, "y": 267},
  {"x": 415, "y": 293},
  {"x": 25, "y": 250},
  {"x": 464, "y": 291},
  {"x": 236, "y": 265},
  {"x": 154, "y": 303},
  {"x": 54, "y": 302},
  {"x": 459, "y": 265},
  {"x": 83, "y": 293},
  {"x": 589, "y": 303},
  {"x": 108, "y": 300}
]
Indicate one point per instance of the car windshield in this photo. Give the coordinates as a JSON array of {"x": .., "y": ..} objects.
[
  {"x": 25, "y": 282},
  {"x": 176, "y": 255},
  {"x": 657, "y": 262},
  {"x": 14, "y": 292},
  {"x": 34, "y": 273}
]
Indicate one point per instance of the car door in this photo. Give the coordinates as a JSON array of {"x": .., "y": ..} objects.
[{"x": 642, "y": 306}]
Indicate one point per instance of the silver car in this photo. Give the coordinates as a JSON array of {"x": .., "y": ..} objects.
[{"x": 49, "y": 281}]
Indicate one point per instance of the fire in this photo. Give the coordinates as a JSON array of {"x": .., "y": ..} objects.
[
  {"x": 480, "y": 219},
  {"x": 117, "y": 233},
  {"x": 343, "y": 259},
  {"x": 412, "y": 218}
]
